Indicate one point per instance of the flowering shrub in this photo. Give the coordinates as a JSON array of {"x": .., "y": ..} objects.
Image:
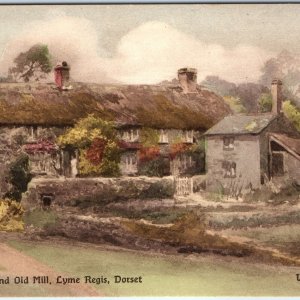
[
  {"x": 11, "y": 213},
  {"x": 177, "y": 149},
  {"x": 148, "y": 153},
  {"x": 97, "y": 144},
  {"x": 95, "y": 152}
]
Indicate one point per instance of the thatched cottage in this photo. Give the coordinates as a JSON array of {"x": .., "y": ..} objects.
[{"x": 33, "y": 115}]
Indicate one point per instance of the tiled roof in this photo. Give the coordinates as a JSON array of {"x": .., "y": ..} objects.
[
  {"x": 290, "y": 144},
  {"x": 242, "y": 124}
]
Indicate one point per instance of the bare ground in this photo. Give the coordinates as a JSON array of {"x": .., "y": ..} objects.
[{"x": 14, "y": 263}]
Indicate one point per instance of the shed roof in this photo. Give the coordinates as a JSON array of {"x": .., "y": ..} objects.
[
  {"x": 292, "y": 145},
  {"x": 241, "y": 124},
  {"x": 160, "y": 106}
]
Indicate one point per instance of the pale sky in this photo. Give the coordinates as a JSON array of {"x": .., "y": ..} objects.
[{"x": 148, "y": 43}]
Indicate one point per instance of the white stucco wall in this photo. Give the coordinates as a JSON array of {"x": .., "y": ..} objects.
[{"x": 246, "y": 155}]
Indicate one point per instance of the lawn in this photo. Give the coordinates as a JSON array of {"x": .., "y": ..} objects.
[{"x": 166, "y": 275}]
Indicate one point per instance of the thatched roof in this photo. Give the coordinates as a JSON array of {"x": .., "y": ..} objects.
[{"x": 160, "y": 106}]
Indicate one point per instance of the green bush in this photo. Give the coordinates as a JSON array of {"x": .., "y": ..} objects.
[{"x": 18, "y": 177}]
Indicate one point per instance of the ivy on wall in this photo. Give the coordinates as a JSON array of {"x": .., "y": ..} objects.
[{"x": 96, "y": 140}]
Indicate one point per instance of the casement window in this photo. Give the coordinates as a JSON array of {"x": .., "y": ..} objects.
[
  {"x": 131, "y": 135},
  {"x": 188, "y": 136},
  {"x": 163, "y": 136},
  {"x": 228, "y": 143},
  {"x": 229, "y": 169},
  {"x": 129, "y": 163},
  {"x": 186, "y": 161}
]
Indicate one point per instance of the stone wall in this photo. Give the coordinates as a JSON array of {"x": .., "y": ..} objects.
[{"x": 86, "y": 192}]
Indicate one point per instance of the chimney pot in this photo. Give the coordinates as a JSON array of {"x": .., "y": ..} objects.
[{"x": 188, "y": 79}]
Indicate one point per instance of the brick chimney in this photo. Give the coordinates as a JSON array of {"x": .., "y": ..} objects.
[
  {"x": 276, "y": 91},
  {"x": 188, "y": 79}
]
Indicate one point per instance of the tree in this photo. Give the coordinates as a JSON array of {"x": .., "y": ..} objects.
[
  {"x": 219, "y": 86},
  {"x": 265, "y": 102},
  {"x": 249, "y": 94},
  {"x": 292, "y": 113},
  {"x": 18, "y": 177},
  {"x": 32, "y": 64},
  {"x": 235, "y": 104},
  {"x": 286, "y": 67}
]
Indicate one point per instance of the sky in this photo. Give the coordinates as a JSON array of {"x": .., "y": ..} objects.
[{"x": 138, "y": 44}]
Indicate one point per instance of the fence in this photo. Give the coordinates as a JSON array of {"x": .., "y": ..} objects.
[{"x": 183, "y": 186}]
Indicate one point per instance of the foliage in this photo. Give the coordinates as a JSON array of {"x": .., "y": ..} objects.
[
  {"x": 40, "y": 218},
  {"x": 18, "y": 177},
  {"x": 265, "y": 102},
  {"x": 235, "y": 104},
  {"x": 95, "y": 152},
  {"x": 148, "y": 153},
  {"x": 11, "y": 213},
  {"x": 34, "y": 63},
  {"x": 292, "y": 113},
  {"x": 219, "y": 85},
  {"x": 98, "y": 146},
  {"x": 149, "y": 137},
  {"x": 241, "y": 97},
  {"x": 285, "y": 66},
  {"x": 178, "y": 148},
  {"x": 158, "y": 167},
  {"x": 158, "y": 190},
  {"x": 249, "y": 94}
]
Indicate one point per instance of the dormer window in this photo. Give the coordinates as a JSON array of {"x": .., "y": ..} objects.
[
  {"x": 33, "y": 132},
  {"x": 228, "y": 143},
  {"x": 188, "y": 136},
  {"x": 131, "y": 135},
  {"x": 163, "y": 137}
]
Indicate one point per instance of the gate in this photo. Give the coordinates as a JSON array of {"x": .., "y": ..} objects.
[{"x": 183, "y": 186}]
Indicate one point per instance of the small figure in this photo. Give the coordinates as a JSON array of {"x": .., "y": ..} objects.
[{"x": 62, "y": 76}]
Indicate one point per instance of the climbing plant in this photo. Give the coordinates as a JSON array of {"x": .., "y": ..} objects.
[{"x": 96, "y": 140}]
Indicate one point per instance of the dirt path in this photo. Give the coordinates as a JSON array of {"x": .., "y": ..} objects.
[{"x": 14, "y": 263}]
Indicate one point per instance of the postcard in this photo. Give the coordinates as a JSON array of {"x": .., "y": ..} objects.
[{"x": 149, "y": 150}]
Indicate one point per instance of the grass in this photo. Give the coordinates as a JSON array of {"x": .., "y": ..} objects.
[
  {"x": 166, "y": 275},
  {"x": 40, "y": 218},
  {"x": 285, "y": 238}
]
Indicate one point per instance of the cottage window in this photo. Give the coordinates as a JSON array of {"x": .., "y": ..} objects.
[
  {"x": 33, "y": 132},
  {"x": 186, "y": 161},
  {"x": 228, "y": 143},
  {"x": 131, "y": 135},
  {"x": 230, "y": 169},
  {"x": 163, "y": 136},
  {"x": 130, "y": 163},
  {"x": 188, "y": 136}
]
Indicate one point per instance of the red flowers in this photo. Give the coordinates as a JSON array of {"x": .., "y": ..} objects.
[
  {"x": 95, "y": 152},
  {"x": 178, "y": 148},
  {"x": 149, "y": 153}
]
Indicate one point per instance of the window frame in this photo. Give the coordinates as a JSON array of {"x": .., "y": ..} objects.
[{"x": 230, "y": 145}]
